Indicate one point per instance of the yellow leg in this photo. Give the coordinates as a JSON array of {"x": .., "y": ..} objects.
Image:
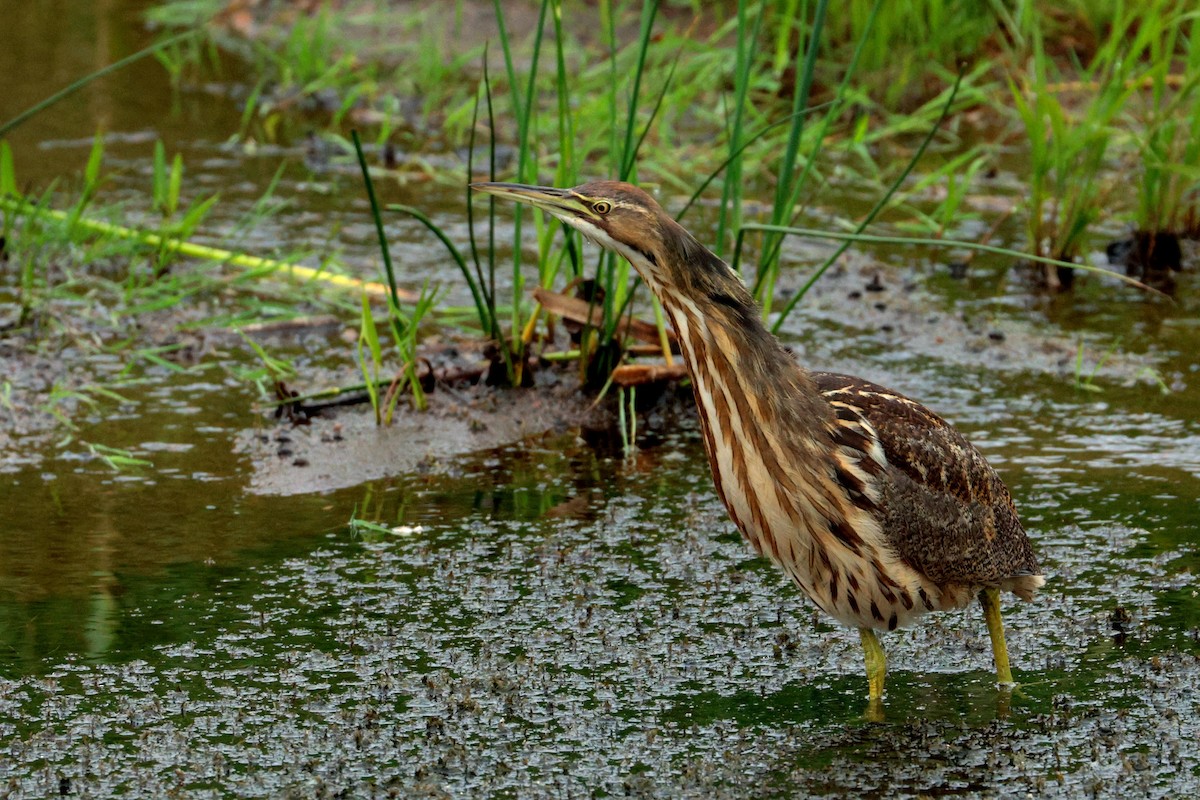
[
  {"x": 990, "y": 600},
  {"x": 876, "y": 662}
]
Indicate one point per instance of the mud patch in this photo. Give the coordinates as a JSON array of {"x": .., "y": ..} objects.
[
  {"x": 902, "y": 314},
  {"x": 345, "y": 447}
]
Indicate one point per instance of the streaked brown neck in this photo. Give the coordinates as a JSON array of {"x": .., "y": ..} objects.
[
  {"x": 721, "y": 333},
  {"x": 767, "y": 431}
]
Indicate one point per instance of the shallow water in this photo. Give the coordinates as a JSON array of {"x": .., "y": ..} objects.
[{"x": 551, "y": 619}]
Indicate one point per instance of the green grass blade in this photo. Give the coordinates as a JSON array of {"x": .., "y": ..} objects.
[
  {"x": 629, "y": 151},
  {"x": 481, "y": 308},
  {"x": 8, "y": 171},
  {"x": 731, "y": 189},
  {"x": 799, "y": 101},
  {"x": 383, "y": 244},
  {"x": 918, "y": 241},
  {"x": 91, "y": 172},
  {"x": 159, "y": 177},
  {"x": 567, "y": 169},
  {"x": 485, "y": 302},
  {"x": 175, "y": 184}
]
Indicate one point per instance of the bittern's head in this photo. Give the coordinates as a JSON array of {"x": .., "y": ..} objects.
[{"x": 624, "y": 219}]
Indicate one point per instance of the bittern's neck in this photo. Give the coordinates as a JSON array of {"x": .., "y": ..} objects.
[
  {"x": 729, "y": 351},
  {"x": 736, "y": 364}
]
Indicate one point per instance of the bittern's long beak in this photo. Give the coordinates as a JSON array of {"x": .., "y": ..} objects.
[{"x": 562, "y": 203}]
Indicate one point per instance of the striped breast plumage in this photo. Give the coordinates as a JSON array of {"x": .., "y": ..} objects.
[{"x": 907, "y": 518}]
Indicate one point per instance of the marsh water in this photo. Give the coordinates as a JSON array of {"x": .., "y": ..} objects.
[{"x": 549, "y": 617}]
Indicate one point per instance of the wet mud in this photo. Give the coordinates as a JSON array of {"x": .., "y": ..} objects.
[{"x": 345, "y": 447}]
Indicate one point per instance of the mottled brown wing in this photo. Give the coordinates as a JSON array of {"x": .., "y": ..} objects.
[{"x": 943, "y": 508}]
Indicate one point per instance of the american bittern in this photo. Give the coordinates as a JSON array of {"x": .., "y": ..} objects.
[{"x": 875, "y": 506}]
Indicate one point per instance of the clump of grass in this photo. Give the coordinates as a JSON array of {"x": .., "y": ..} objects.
[
  {"x": 901, "y": 43},
  {"x": 1069, "y": 141},
  {"x": 404, "y": 325},
  {"x": 178, "y": 223},
  {"x": 613, "y": 293},
  {"x": 1169, "y": 144},
  {"x": 1065, "y": 172},
  {"x": 1168, "y": 196},
  {"x": 797, "y": 145}
]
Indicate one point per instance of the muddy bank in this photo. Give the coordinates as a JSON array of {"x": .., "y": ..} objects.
[{"x": 345, "y": 447}]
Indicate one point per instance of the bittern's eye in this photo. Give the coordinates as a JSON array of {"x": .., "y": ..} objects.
[{"x": 602, "y": 207}]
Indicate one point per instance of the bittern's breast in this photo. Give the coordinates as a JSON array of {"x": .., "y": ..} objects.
[{"x": 787, "y": 483}]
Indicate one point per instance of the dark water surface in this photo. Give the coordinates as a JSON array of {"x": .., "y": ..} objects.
[{"x": 549, "y": 618}]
